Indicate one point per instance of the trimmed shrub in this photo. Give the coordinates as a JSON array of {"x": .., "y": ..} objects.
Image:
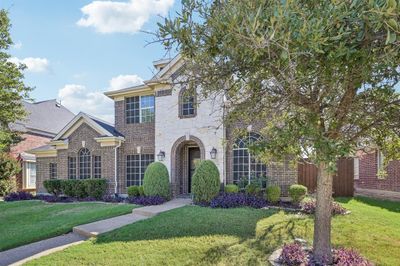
[
  {"x": 297, "y": 193},
  {"x": 156, "y": 180},
  {"x": 133, "y": 191},
  {"x": 231, "y": 188},
  {"x": 253, "y": 189},
  {"x": 53, "y": 186},
  {"x": 95, "y": 188},
  {"x": 141, "y": 191},
  {"x": 68, "y": 187},
  {"x": 205, "y": 181},
  {"x": 273, "y": 193}
]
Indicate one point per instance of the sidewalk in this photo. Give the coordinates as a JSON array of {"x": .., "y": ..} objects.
[{"x": 20, "y": 255}]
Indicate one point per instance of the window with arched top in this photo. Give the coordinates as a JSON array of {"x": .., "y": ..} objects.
[
  {"x": 245, "y": 165},
  {"x": 187, "y": 102},
  {"x": 84, "y": 163}
]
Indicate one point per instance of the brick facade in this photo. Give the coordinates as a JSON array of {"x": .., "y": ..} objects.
[
  {"x": 279, "y": 173},
  {"x": 368, "y": 179},
  {"x": 86, "y": 134},
  {"x": 29, "y": 141},
  {"x": 136, "y": 135}
]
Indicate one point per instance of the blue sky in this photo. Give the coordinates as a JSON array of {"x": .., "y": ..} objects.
[{"x": 76, "y": 50}]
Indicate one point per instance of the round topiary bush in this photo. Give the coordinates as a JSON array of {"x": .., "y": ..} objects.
[
  {"x": 253, "y": 189},
  {"x": 156, "y": 180},
  {"x": 273, "y": 193},
  {"x": 297, "y": 193},
  {"x": 205, "y": 181},
  {"x": 133, "y": 191},
  {"x": 231, "y": 188}
]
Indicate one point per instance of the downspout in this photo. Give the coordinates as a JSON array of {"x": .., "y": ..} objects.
[{"x": 115, "y": 167}]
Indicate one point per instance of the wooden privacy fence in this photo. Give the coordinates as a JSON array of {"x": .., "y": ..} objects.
[{"x": 343, "y": 181}]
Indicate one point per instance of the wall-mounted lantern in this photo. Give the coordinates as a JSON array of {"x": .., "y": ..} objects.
[
  {"x": 213, "y": 153},
  {"x": 161, "y": 155}
]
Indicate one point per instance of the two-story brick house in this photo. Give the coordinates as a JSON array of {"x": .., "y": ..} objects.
[{"x": 158, "y": 120}]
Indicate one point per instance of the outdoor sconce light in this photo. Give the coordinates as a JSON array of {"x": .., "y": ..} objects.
[
  {"x": 161, "y": 155},
  {"x": 213, "y": 153}
]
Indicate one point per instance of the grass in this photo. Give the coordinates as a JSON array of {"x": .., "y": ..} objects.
[
  {"x": 203, "y": 236},
  {"x": 23, "y": 222}
]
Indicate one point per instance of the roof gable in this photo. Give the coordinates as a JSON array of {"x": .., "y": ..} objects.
[{"x": 102, "y": 127}]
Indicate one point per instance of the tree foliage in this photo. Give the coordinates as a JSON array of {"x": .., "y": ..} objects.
[
  {"x": 12, "y": 87},
  {"x": 320, "y": 74}
]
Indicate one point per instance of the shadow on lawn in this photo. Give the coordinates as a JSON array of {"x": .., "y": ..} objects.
[
  {"x": 392, "y": 206},
  {"x": 258, "y": 230}
]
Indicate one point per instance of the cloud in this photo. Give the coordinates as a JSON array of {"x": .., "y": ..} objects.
[
  {"x": 124, "y": 81},
  {"x": 33, "y": 64},
  {"x": 78, "y": 98},
  {"x": 125, "y": 17}
]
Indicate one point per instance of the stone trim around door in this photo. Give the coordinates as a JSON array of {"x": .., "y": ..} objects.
[{"x": 179, "y": 160}]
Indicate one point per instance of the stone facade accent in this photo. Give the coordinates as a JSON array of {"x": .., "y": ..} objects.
[
  {"x": 179, "y": 163},
  {"x": 368, "y": 178},
  {"x": 206, "y": 126}
]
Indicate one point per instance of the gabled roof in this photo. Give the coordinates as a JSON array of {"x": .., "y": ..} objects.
[
  {"x": 162, "y": 76},
  {"x": 102, "y": 127},
  {"x": 44, "y": 118}
]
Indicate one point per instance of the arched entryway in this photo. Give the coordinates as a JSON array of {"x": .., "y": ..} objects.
[{"x": 184, "y": 152}]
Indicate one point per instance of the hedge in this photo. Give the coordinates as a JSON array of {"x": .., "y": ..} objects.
[
  {"x": 95, "y": 188},
  {"x": 156, "y": 180},
  {"x": 231, "y": 188},
  {"x": 133, "y": 191},
  {"x": 205, "y": 182}
]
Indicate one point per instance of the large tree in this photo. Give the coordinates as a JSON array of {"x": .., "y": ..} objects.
[
  {"x": 320, "y": 74},
  {"x": 12, "y": 88}
]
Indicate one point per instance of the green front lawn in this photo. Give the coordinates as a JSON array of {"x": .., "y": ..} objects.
[
  {"x": 24, "y": 222},
  {"x": 196, "y": 235}
]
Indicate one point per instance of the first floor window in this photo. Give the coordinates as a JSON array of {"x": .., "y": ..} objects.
[
  {"x": 72, "y": 167},
  {"x": 97, "y": 166},
  {"x": 245, "y": 166},
  {"x": 84, "y": 163},
  {"x": 30, "y": 175},
  {"x": 135, "y": 167},
  {"x": 53, "y": 170}
]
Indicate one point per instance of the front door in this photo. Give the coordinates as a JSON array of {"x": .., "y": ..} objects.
[{"x": 194, "y": 154}]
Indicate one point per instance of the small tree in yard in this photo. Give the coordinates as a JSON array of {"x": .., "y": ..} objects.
[
  {"x": 12, "y": 88},
  {"x": 320, "y": 74}
]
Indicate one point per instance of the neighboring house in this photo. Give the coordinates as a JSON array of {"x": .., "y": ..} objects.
[
  {"x": 155, "y": 121},
  {"x": 44, "y": 120},
  {"x": 368, "y": 181}
]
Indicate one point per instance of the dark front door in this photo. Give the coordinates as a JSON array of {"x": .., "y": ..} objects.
[{"x": 194, "y": 154}]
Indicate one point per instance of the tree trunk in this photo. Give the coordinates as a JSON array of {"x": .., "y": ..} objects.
[{"x": 323, "y": 213}]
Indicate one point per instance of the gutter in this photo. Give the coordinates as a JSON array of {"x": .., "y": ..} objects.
[{"x": 115, "y": 167}]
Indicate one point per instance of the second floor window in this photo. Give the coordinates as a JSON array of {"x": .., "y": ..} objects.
[
  {"x": 187, "y": 103},
  {"x": 139, "y": 109},
  {"x": 53, "y": 170}
]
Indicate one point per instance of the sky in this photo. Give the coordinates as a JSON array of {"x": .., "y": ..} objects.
[{"x": 76, "y": 50}]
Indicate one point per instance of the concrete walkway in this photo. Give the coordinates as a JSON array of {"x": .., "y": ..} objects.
[{"x": 20, "y": 255}]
